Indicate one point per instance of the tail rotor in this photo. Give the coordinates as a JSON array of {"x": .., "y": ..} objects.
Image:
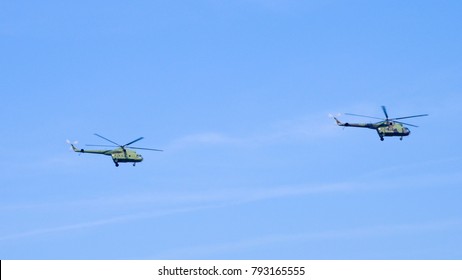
[
  {"x": 335, "y": 118},
  {"x": 72, "y": 147}
]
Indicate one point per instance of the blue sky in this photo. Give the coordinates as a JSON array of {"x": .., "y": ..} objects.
[{"x": 238, "y": 94}]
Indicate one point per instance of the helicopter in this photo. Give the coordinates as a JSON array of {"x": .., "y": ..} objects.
[
  {"x": 385, "y": 128},
  {"x": 121, "y": 153}
]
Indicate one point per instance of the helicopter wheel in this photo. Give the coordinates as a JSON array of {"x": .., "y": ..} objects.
[
  {"x": 134, "y": 164},
  {"x": 381, "y": 138}
]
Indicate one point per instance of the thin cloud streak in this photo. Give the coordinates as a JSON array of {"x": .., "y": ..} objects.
[
  {"x": 250, "y": 194},
  {"x": 218, "y": 200},
  {"x": 210, "y": 251},
  {"x": 225, "y": 198},
  {"x": 181, "y": 203},
  {"x": 237, "y": 195},
  {"x": 302, "y": 129},
  {"x": 113, "y": 220}
]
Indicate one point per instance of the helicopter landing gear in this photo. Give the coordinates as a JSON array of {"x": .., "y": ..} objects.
[
  {"x": 381, "y": 138},
  {"x": 116, "y": 163},
  {"x": 134, "y": 163}
]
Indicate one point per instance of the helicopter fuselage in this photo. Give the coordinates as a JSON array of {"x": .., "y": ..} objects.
[
  {"x": 389, "y": 127},
  {"x": 384, "y": 129},
  {"x": 118, "y": 155},
  {"x": 392, "y": 129},
  {"x": 125, "y": 155}
]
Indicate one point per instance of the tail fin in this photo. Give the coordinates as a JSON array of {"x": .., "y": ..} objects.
[
  {"x": 339, "y": 122},
  {"x": 72, "y": 145},
  {"x": 336, "y": 120}
]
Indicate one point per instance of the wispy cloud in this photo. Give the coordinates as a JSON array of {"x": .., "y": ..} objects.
[
  {"x": 201, "y": 138},
  {"x": 171, "y": 204},
  {"x": 286, "y": 6},
  {"x": 373, "y": 231},
  {"x": 182, "y": 203},
  {"x": 301, "y": 129},
  {"x": 150, "y": 205},
  {"x": 224, "y": 197},
  {"x": 102, "y": 222}
]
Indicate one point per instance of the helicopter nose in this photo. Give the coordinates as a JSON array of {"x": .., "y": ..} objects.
[{"x": 407, "y": 131}]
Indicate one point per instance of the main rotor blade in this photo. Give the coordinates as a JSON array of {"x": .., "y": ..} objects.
[
  {"x": 93, "y": 145},
  {"x": 385, "y": 111},
  {"x": 134, "y": 141},
  {"x": 408, "y": 124},
  {"x": 137, "y": 148},
  {"x": 108, "y": 140},
  {"x": 416, "y": 116},
  {"x": 363, "y": 116}
]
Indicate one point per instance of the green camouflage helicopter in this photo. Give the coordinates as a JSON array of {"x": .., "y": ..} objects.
[
  {"x": 121, "y": 154},
  {"x": 385, "y": 128}
]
